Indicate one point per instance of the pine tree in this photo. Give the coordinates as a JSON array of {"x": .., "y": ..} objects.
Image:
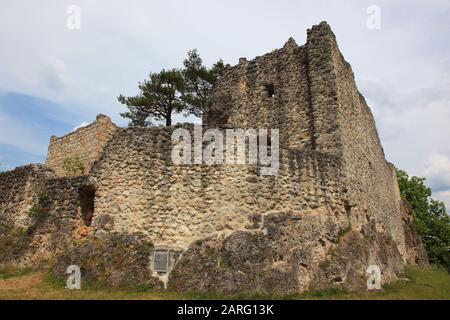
[
  {"x": 173, "y": 91},
  {"x": 199, "y": 82},
  {"x": 159, "y": 98}
]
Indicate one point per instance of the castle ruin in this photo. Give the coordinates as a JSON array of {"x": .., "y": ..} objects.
[{"x": 333, "y": 209}]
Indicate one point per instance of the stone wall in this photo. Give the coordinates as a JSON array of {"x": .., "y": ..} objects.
[
  {"x": 332, "y": 210},
  {"x": 318, "y": 109},
  {"x": 18, "y": 190},
  {"x": 331, "y": 121},
  {"x": 75, "y": 153},
  {"x": 271, "y": 91},
  {"x": 371, "y": 182},
  {"x": 57, "y": 223},
  {"x": 140, "y": 190},
  {"x": 42, "y": 213}
]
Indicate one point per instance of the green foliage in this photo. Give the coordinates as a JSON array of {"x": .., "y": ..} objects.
[
  {"x": 343, "y": 232},
  {"x": 144, "y": 287},
  {"x": 37, "y": 212},
  {"x": 14, "y": 240},
  {"x": 324, "y": 264},
  {"x": 7, "y": 272},
  {"x": 11, "y": 241},
  {"x": 325, "y": 294},
  {"x": 159, "y": 97},
  {"x": 199, "y": 82},
  {"x": 118, "y": 261},
  {"x": 73, "y": 166},
  {"x": 423, "y": 283},
  {"x": 172, "y": 91},
  {"x": 430, "y": 218}
]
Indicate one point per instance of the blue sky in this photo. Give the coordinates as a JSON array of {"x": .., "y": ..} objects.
[
  {"x": 26, "y": 124},
  {"x": 52, "y": 78}
]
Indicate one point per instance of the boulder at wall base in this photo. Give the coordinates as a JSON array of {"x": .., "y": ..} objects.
[
  {"x": 278, "y": 264},
  {"x": 116, "y": 260}
]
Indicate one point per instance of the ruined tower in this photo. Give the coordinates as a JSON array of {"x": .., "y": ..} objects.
[
  {"x": 333, "y": 209},
  {"x": 350, "y": 214}
]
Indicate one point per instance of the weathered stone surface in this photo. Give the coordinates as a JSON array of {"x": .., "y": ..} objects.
[
  {"x": 45, "y": 210},
  {"x": 333, "y": 209},
  {"x": 18, "y": 189},
  {"x": 118, "y": 260},
  {"x": 415, "y": 250},
  {"x": 296, "y": 254},
  {"x": 80, "y": 148},
  {"x": 175, "y": 205}
]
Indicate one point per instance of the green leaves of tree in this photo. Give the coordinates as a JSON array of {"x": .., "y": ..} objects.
[
  {"x": 173, "y": 91},
  {"x": 430, "y": 217},
  {"x": 160, "y": 96},
  {"x": 199, "y": 82}
]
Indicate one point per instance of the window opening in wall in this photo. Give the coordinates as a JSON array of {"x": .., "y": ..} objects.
[
  {"x": 87, "y": 199},
  {"x": 161, "y": 261},
  {"x": 269, "y": 89}
]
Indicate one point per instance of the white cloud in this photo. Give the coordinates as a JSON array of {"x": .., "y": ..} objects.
[
  {"x": 403, "y": 69},
  {"x": 443, "y": 196},
  {"x": 438, "y": 172},
  {"x": 55, "y": 74},
  {"x": 81, "y": 125}
]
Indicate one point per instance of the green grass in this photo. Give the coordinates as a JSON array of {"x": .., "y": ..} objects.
[
  {"x": 418, "y": 284},
  {"x": 10, "y": 272},
  {"x": 423, "y": 283}
]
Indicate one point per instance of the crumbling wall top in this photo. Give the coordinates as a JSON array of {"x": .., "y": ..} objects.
[{"x": 75, "y": 153}]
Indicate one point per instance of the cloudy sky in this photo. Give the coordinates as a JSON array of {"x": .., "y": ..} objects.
[{"x": 52, "y": 78}]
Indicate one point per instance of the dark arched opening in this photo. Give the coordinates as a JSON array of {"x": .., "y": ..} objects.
[
  {"x": 269, "y": 89},
  {"x": 87, "y": 200}
]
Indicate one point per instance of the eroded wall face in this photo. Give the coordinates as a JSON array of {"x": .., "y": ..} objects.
[
  {"x": 332, "y": 209},
  {"x": 331, "y": 157},
  {"x": 75, "y": 153},
  {"x": 18, "y": 190},
  {"x": 40, "y": 215},
  {"x": 337, "y": 123},
  {"x": 139, "y": 189},
  {"x": 268, "y": 92},
  {"x": 373, "y": 191}
]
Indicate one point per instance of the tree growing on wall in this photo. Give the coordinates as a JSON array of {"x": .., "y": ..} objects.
[
  {"x": 430, "y": 217},
  {"x": 159, "y": 98},
  {"x": 199, "y": 82},
  {"x": 173, "y": 91}
]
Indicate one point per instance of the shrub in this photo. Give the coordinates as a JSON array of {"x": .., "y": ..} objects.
[{"x": 73, "y": 166}]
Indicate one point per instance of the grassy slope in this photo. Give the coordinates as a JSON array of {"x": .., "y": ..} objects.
[{"x": 430, "y": 283}]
